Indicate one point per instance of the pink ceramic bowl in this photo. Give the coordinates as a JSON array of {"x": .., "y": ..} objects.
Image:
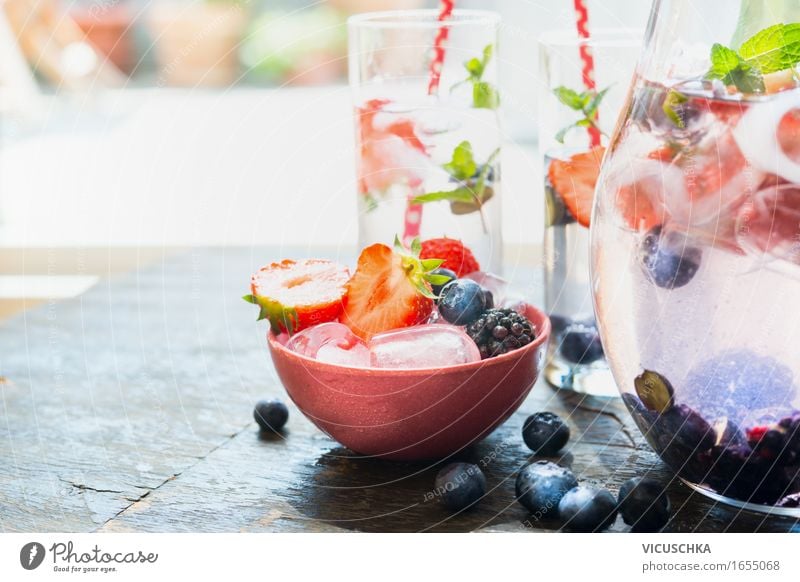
[{"x": 412, "y": 413}]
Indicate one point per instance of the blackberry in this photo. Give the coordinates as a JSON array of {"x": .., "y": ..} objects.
[{"x": 499, "y": 331}]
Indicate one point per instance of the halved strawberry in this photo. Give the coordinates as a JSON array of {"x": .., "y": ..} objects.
[
  {"x": 454, "y": 254},
  {"x": 294, "y": 295},
  {"x": 390, "y": 289},
  {"x": 574, "y": 180}
]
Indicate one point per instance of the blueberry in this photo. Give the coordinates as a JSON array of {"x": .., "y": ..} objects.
[
  {"x": 460, "y": 485},
  {"x": 587, "y": 509},
  {"x": 644, "y": 505},
  {"x": 545, "y": 433},
  {"x": 655, "y": 391},
  {"x": 668, "y": 260},
  {"x": 437, "y": 289},
  {"x": 541, "y": 485},
  {"x": 643, "y": 417},
  {"x": 462, "y": 301},
  {"x": 271, "y": 415},
  {"x": 734, "y": 383},
  {"x": 581, "y": 344},
  {"x": 684, "y": 428},
  {"x": 559, "y": 323}
]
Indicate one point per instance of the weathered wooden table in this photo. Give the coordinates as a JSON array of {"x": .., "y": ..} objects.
[{"x": 130, "y": 409}]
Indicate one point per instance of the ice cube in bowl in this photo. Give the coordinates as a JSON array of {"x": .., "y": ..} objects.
[
  {"x": 408, "y": 414},
  {"x": 333, "y": 343},
  {"x": 423, "y": 346}
]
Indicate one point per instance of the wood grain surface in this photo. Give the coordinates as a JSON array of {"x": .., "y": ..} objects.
[{"x": 129, "y": 409}]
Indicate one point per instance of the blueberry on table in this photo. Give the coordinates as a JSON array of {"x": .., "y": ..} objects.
[
  {"x": 644, "y": 505},
  {"x": 668, "y": 260},
  {"x": 545, "y": 433},
  {"x": 271, "y": 415},
  {"x": 559, "y": 323},
  {"x": 461, "y": 301},
  {"x": 541, "y": 485},
  {"x": 655, "y": 391},
  {"x": 580, "y": 344},
  {"x": 437, "y": 289},
  {"x": 587, "y": 509},
  {"x": 460, "y": 485}
]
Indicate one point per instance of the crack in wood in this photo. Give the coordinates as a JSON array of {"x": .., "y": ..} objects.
[
  {"x": 604, "y": 412},
  {"x": 83, "y": 487},
  {"x": 172, "y": 477}
]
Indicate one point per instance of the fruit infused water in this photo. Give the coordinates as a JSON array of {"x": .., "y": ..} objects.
[
  {"x": 428, "y": 139},
  {"x": 696, "y": 264},
  {"x": 578, "y": 109}
]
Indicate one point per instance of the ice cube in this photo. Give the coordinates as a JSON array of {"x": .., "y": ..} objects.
[
  {"x": 769, "y": 226},
  {"x": 356, "y": 356},
  {"x": 423, "y": 346},
  {"x": 333, "y": 343},
  {"x": 494, "y": 283}
]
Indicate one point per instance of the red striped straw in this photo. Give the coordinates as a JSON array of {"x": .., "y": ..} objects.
[
  {"x": 445, "y": 12},
  {"x": 587, "y": 58},
  {"x": 413, "y": 215}
]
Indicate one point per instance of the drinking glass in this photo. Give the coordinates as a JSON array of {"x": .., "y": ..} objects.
[
  {"x": 696, "y": 249},
  {"x": 427, "y": 129},
  {"x": 575, "y": 123}
]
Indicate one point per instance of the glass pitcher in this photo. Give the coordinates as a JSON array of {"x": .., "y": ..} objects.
[{"x": 695, "y": 248}]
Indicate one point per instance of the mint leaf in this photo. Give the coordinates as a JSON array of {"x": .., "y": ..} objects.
[
  {"x": 462, "y": 166},
  {"x": 728, "y": 66},
  {"x": 475, "y": 68},
  {"x": 773, "y": 49},
  {"x": 485, "y": 96},
  {"x": 462, "y": 194},
  {"x": 587, "y": 103},
  {"x": 569, "y": 97},
  {"x": 723, "y": 61}
]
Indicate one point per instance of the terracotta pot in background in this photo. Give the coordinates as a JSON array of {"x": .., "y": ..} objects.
[
  {"x": 197, "y": 44},
  {"x": 109, "y": 29},
  {"x": 356, "y": 6}
]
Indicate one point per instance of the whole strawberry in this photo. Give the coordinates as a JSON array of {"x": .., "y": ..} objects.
[
  {"x": 455, "y": 255},
  {"x": 390, "y": 289}
]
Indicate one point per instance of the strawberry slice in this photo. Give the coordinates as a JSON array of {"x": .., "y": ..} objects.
[
  {"x": 294, "y": 295},
  {"x": 389, "y": 290},
  {"x": 574, "y": 180}
]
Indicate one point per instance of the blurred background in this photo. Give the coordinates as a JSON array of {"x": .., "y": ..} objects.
[{"x": 132, "y": 127}]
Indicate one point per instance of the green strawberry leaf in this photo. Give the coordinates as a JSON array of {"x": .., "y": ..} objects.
[
  {"x": 485, "y": 96},
  {"x": 431, "y": 264},
  {"x": 437, "y": 279},
  {"x": 280, "y": 317}
]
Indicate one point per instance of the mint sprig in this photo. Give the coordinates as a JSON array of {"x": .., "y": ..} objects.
[
  {"x": 586, "y": 103},
  {"x": 484, "y": 94},
  {"x": 773, "y": 49},
  {"x": 473, "y": 190}
]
